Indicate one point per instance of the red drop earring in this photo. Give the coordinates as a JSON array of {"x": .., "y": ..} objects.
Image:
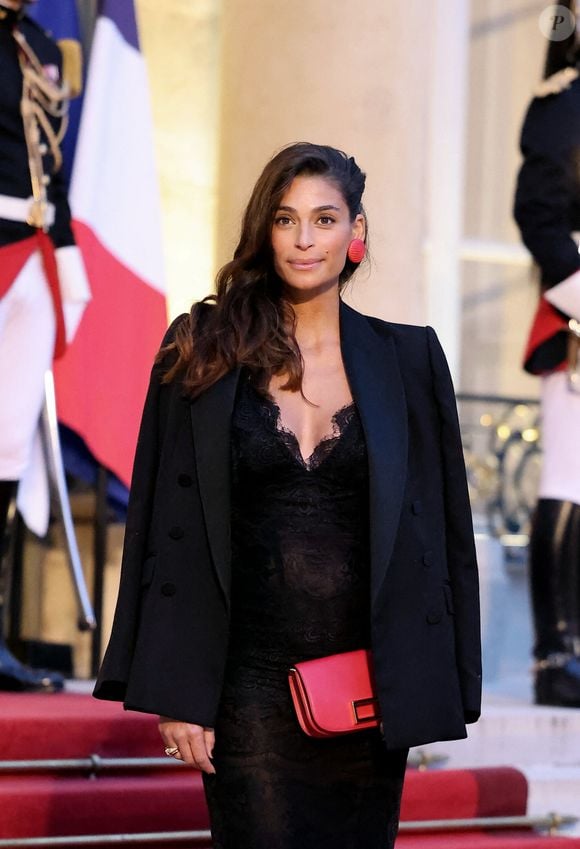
[{"x": 356, "y": 251}]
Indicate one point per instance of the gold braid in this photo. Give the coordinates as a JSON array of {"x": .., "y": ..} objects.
[{"x": 41, "y": 99}]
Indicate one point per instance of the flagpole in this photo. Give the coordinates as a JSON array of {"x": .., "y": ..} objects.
[{"x": 99, "y": 559}]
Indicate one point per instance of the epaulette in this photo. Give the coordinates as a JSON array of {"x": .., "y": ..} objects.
[
  {"x": 72, "y": 58},
  {"x": 72, "y": 65},
  {"x": 557, "y": 82}
]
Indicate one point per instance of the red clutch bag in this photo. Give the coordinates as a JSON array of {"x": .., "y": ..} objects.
[{"x": 335, "y": 695}]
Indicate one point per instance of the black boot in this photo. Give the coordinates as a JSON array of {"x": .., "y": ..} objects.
[
  {"x": 555, "y": 590},
  {"x": 14, "y": 676}
]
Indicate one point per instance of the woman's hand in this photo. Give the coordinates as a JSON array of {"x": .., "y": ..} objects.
[{"x": 194, "y": 742}]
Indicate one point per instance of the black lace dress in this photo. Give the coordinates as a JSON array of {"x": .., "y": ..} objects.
[{"x": 300, "y": 590}]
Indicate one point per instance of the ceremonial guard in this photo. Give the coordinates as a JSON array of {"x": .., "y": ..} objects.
[
  {"x": 43, "y": 286},
  {"x": 547, "y": 210}
]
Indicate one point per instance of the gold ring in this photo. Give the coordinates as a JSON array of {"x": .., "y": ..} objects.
[{"x": 172, "y": 751}]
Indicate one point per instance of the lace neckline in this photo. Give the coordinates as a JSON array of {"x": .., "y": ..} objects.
[{"x": 339, "y": 423}]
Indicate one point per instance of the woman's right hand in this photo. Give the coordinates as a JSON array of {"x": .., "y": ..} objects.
[{"x": 195, "y": 743}]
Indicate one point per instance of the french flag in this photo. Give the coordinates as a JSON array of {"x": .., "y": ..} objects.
[{"x": 102, "y": 379}]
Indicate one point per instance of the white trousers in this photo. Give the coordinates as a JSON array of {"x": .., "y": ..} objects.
[
  {"x": 27, "y": 335},
  {"x": 560, "y": 478}
]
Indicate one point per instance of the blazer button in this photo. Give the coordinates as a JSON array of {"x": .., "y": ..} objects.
[
  {"x": 434, "y": 616},
  {"x": 176, "y": 532},
  {"x": 428, "y": 558},
  {"x": 168, "y": 589},
  {"x": 184, "y": 480},
  {"x": 417, "y": 507}
]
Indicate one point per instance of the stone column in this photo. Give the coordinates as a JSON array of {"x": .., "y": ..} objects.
[
  {"x": 180, "y": 42},
  {"x": 353, "y": 76},
  {"x": 445, "y": 165}
]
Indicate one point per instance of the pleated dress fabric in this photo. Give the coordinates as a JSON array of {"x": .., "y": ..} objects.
[{"x": 300, "y": 573}]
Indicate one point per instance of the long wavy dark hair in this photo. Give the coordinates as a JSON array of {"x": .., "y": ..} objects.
[{"x": 247, "y": 321}]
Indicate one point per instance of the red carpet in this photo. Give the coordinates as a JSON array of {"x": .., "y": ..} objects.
[
  {"x": 65, "y": 725},
  {"x": 38, "y": 806},
  {"x": 478, "y": 840},
  {"x": 73, "y": 726},
  {"x": 464, "y": 794}
]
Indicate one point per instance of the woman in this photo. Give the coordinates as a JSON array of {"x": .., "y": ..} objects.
[
  {"x": 547, "y": 210},
  {"x": 299, "y": 491}
]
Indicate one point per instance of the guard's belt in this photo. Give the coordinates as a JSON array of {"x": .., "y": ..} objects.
[{"x": 19, "y": 209}]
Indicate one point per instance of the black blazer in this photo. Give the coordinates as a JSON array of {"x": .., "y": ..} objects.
[{"x": 169, "y": 640}]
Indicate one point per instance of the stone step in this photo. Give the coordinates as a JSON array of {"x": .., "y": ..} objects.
[
  {"x": 523, "y": 735},
  {"x": 506, "y": 626},
  {"x": 554, "y": 788},
  {"x": 543, "y": 742}
]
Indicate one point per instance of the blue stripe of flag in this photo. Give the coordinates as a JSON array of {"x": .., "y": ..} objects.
[{"x": 122, "y": 13}]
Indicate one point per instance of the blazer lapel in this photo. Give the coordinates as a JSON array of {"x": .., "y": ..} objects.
[
  {"x": 211, "y": 414},
  {"x": 372, "y": 369}
]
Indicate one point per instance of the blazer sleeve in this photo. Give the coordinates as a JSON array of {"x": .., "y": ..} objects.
[
  {"x": 460, "y": 543},
  {"x": 114, "y": 672}
]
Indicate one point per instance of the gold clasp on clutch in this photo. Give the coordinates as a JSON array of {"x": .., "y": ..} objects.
[{"x": 365, "y": 710}]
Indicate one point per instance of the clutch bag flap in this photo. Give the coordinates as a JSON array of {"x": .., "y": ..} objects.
[{"x": 335, "y": 695}]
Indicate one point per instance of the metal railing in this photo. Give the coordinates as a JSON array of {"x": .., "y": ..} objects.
[
  {"x": 192, "y": 838},
  {"x": 551, "y": 823},
  {"x": 502, "y": 446},
  {"x": 94, "y": 765}
]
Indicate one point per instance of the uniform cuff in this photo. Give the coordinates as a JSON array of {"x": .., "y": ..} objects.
[{"x": 565, "y": 296}]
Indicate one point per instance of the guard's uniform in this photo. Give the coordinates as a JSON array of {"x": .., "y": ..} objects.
[
  {"x": 43, "y": 284},
  {"x": 547, "y": 210},
  {"x": 34, "y": 220}
]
